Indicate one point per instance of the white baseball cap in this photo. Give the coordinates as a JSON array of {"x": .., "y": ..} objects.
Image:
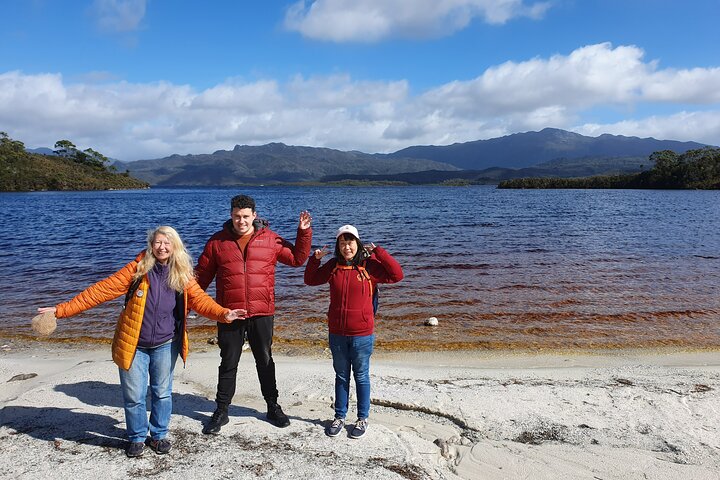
[{"x": 348, "y": 229}]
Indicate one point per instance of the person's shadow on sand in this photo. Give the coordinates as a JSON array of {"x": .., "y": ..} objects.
[
  {"x": 52, "y": 424},
  {"x": 201, "y": 409},
  {"x": 191, "y": 406}
]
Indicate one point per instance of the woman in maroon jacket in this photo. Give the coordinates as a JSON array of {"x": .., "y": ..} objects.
[{"x": 352, "y": 275}]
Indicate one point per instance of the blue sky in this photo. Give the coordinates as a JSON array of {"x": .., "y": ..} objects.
[{"x": 138, "y": 79}]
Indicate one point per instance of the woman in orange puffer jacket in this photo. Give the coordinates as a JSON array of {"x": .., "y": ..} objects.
[{"x": 151, "y": 331}]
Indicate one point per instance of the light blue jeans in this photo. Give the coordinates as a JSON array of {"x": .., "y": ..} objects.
[
  {"x": 158, "y": 364},
  {"x": 351, "y": 353}
]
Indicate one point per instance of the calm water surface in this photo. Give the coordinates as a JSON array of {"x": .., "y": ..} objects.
[{"x": 498, "y": 268}]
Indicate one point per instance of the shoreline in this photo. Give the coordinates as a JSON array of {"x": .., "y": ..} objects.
[
  {"x": 469, "y": 358},
  {"x": 203, "y": 340},
  {"x": 445, "y": 415}
]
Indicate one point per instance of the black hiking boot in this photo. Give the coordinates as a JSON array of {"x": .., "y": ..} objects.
[
  {"x": 218, "y": 419},
  {"x": 276, "y": 416}
]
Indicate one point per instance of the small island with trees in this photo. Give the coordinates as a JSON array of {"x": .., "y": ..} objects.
[
  {"x": 68, "y": 169},
  {"x": 695, "y": 170}
]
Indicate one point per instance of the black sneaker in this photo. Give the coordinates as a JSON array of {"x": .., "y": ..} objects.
[
  {"x": 135, "y": 449},
  {"x": 218, "y": 419},
  {"x": 360, "y": 428},
  {"x": 161, "y": 447},
  {"x": 277, "y": 416},
  {"x": 335, "y": 427}
]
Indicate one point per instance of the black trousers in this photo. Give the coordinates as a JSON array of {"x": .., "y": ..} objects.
[{"x": 231, "y": 337}]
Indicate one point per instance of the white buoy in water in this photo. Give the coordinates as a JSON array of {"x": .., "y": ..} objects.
[{"x": 432, "y": 322}]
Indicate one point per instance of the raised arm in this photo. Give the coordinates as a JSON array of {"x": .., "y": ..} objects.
[
  {"x": 314, "y": 273},
  {"x": 295, "y": 255},
  {"x": 383, "y": 267}
]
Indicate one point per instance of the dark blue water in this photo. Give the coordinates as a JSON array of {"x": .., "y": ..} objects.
[{"x": 499, "y": 268}]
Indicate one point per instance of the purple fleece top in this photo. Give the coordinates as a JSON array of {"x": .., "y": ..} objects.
[{"x": 158, "y": 325}]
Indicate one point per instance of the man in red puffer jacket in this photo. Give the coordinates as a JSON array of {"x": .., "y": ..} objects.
[{"x": 242, "y": 258}]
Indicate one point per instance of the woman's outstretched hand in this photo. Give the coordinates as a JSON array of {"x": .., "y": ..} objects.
[
  {"x": 45, "y": 322},
  {"x": 235, "y": 314}
]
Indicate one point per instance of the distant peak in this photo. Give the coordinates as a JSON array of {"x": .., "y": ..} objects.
[
  {"x": 560, "y": 132},
  {"x": 268, "y": 146}
]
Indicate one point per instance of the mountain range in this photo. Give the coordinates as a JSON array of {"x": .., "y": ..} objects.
[
  {"x": 549, "y": 152},
  {"x": 522, "y": 150},
  {"x": 271, "y": 163}
]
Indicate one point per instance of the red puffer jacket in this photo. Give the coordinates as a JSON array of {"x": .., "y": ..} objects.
[
  {"x": 249, "y": 282},
  {"x": 351, "y": 310}
]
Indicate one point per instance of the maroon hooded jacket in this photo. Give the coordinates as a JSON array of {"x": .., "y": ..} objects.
[{"x": 351, "y": 305}]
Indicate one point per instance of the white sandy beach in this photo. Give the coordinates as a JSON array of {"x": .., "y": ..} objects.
[{"x": 626, "y": 415}]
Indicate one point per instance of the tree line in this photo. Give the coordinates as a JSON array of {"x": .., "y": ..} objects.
[
  {"x": 89, "y": 157},
  {"x": 695, "y": 169},
  {"x": 69, "y": 169}
]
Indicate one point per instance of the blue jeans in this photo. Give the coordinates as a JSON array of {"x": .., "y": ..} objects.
[
  {"x": 158, "y": 364},
  {"x": 351, "y": 353}
]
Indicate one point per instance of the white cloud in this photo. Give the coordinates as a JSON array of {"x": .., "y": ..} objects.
[
  {"x": 329, "y": 92},
  {"x": 702, "y": 127},
  {"x": 118, "y": 15},
  {"x": 696, "y": 86},
  {"x": 234, "y": 95},
  {"x": 373, "y": 20},
  {"x": 132, "y": 121},
  {"x": 588, "y": 76}
]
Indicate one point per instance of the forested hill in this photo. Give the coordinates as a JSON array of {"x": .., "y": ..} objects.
[
  {"x": 696, "y": 169},
  {"x": 21, "y": 171},
  {"x": 528, "y": 149},
  {"x": 271, "y": 163}
]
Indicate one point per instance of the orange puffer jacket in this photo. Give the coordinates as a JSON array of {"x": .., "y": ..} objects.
[{"x": 127, "y": 330}]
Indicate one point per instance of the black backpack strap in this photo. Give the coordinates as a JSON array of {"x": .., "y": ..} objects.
[{"x": 131, "y": 291}]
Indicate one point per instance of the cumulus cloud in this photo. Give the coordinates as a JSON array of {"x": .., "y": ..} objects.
[
  {"x": 557, "y": 91},
  {"x": 234, "y": 95},
  {"x": 132, "y": 121},
  {"x": 329, "y": 92},
  {"x": 696, "y": 86},
  {"x": 700, "y": 126},
  {"x": 373, "y": 20},
  {"x": 588, "y": 76},
  {"x": 116, "y": 16}
]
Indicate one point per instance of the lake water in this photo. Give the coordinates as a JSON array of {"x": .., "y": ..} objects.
[{"x": 518, "y": 269}]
